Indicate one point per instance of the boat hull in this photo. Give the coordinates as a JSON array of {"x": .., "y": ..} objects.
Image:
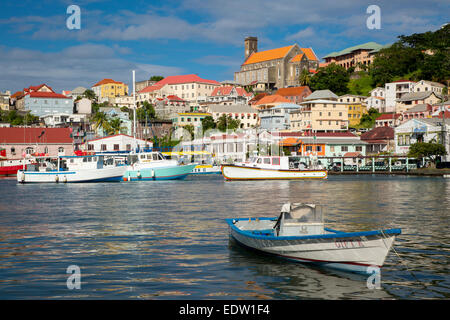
[
  {"x": 354, "y": 252},
  {"x": 10, "y": 170},
  {"x": 206, "y": 169},
  {"x": 113, "y": 174},
  {"x": 234, "y": 172},
  {"x": 159, "y": 173}
]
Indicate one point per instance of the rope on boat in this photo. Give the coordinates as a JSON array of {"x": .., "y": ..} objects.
[{"x": 400, "y": 258}]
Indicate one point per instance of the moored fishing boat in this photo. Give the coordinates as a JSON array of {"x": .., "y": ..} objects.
[
  {"x": 69, "y": 169},
  {"x": 11, "y": 166},
  {"x": 154, "y": 166},
  {"x": 272, "y": 168},
  {"x": 298, "y": 234}
]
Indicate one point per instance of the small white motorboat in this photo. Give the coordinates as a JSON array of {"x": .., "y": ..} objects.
[
  {"x": 298, "y": 234},
  {"x": 69, "y": 169},
  {"x": 272, "y": 168}
]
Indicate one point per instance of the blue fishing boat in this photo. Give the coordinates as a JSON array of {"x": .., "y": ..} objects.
[{"x": 298, "y": 234}]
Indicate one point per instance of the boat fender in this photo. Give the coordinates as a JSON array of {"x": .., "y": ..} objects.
[
  {"x": 139, "y": 175},
  {"x": 153, "y": 173},
  {"x": 65, "y": 179},
  {"x": 56, "y": 178}
]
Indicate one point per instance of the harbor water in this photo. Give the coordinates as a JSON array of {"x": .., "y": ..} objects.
[{"x": 169, "y": 239}]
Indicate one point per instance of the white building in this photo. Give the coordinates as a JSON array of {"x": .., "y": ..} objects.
[
  {"x": 396, "y": 90},
  {"x": 421, "y": 130},
  {"x": 83, "y": 105},
  {"x": 425, "y": 85},
  {"x": 247, "y": 116},
  {"x": 377, "y": 99},
  {"x": 118, "y": 142},
  {"x": 63, "y": 119}
]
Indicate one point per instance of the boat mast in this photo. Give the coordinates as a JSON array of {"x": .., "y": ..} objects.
[{"x": 134, "y": 111}]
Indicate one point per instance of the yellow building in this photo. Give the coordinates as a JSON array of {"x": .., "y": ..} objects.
[
  {"x": 108, "y": 88},
  {"x": 320, "y": 116},
  {"x": 355, "y": 106}
]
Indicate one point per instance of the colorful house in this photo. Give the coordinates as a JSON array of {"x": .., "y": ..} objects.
[{"x": 109, "y": 88}]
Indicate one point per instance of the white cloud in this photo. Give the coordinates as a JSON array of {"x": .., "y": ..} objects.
[
  {"x": 300, "y": 35},
  {"x": 81, "y": 65}
]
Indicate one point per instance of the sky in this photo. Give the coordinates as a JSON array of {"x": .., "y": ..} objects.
[{"x": 204, "y": 37}]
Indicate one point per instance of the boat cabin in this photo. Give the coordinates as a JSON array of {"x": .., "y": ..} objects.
[
  {"x": 145, "y": 157},
  {"x": 299, "y": 219},
  {"x": 70, "y": 163},
  {"x": 276, "y": 162}
]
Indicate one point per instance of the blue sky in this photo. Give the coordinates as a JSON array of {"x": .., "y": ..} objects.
[{"x": 182, "y": 37}]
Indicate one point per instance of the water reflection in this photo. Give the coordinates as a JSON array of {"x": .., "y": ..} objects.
[{"x": 170, "y": 241}]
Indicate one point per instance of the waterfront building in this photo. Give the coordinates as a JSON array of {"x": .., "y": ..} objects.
[
  {"x": 422, "y": 130},
  {"x": 21, "y": 141},
  {"x": 247, "y": 116},
  {"x": 379, "y": 139},
  {"x": 294, "y": 94},
  {"x": 355, "y": 56},
  {"x": 274, "y": 68},
  {"x": 109, "y": 88},
  {"x": 320, "y": 116},
  {"x": 327, "y": 146},
  {"x": 117, "y": 142},
  {"x": 42, "y": 100},
  {"x": 278, "y": 117},
  {"x": 410, "y": 99}
]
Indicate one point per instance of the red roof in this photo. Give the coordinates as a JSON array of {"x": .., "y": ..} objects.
[
  {"x": 387, "y": 116},
  {"x": 30, "y": 135},
  {"x": 293, "y": 91},
  {"x": 47, "y": 95},
  {"x": 188, "y": 78},
  {"x": 226, "y": 90},
  {"x": 175, "y": 98},
  {"x": 379, "y": 133},
  {"x": 105, "y": 81},
  {"x": 352, "y": 154},
  {"x": 151, "y": 88}
]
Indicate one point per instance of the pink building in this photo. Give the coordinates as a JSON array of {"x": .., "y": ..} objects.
[{"x": 20, "y": 141}]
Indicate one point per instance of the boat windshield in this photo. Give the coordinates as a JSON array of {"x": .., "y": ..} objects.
[{"x": 303, "y": 213}]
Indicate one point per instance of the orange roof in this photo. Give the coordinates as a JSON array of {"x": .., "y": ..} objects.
[
  {"x": 17, "y": 94},
  {"x": 105, "y": 81},
  {"x": 293, "y": 91},
  {"x": 272, "y": 54},
  {"x": 297, "y": 58},
  {"x": 275, "y": 98},
  {"x": 310, "y": 54},
  {"x": 290, "y": 142}
]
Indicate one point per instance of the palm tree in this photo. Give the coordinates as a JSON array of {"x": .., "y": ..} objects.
[
  {"x": 101, "y": 121},
  {"x": 304, "y": 78},
  {"x": 115, "y": 126}
]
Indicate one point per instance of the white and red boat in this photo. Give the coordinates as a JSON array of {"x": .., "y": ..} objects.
[
  {"x": 272, "y": 168},
  {"x": 11, "y": 166}
]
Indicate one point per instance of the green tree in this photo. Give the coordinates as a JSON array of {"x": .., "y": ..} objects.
[
  {"x": 429, "y": 150},
  {"x": 332, "y": 77},
  {"x": 115, "y": 126},
  {"x": 226, "y": 122},
  {"x": 100, "y": 120},
  {"x": 368, "y": 119},
  {"x": 208, "y": 123},
  {"x": 191, "y": 129},
  {"x": 90, "y": 94},
  {"x": 156, "y": 78},
  {"x": 304, "y": 78}
]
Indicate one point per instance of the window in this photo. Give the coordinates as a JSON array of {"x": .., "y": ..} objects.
[
  {"x": 116, "y": 147},
  {"x": 266, "y": 160},
  {"x": 259, "y": 160},
  {"x": 29, "y": 150},
  {"x": 309, "y": 148},
  {"x": 90, "y": 147},
  {"x": 60, "y": 149},
  {"x": 276, "y": 161},
  {"x": 358, "y": 148},
  {"x": 344, "y": 148},
  {"x": 155, "y": 156},
  {"x": 319, "y": 148},
  {"x": 128, "y": 147},
  {"x": 13, "y": 150},
  {"x": 103, "y": 147}
]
